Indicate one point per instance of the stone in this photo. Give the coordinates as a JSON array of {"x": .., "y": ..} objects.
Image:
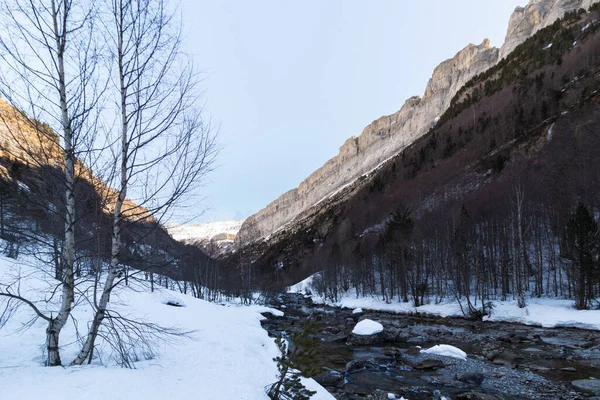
[
  {"x": 354, "y": 366},
  {"x": 379, "y": 395},
  {"x": 472, "y": 378},
  {"x": 509, "y": 360},
  {"x": 429, "y": 363},
  {"x": 366, "y": 340},
  {"x": 591, "y": 386},
  {"x": 475, "y": 396},
  {"x": 329, "y": 378}
]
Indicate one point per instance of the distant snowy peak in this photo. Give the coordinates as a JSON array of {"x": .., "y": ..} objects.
[{"x": 221, "y": 231}]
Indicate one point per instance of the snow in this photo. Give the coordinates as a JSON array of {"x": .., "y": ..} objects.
[
  {"x": 547, "y": 46},
  {"x": 302, "y": 287},
  {"x": 357, "y": 311},
  {"x": 548, "y": 313},
  {"x": 545, "y": 312},
  {"x": 205, "y": 231},
  {"x": 367, "y": 327},
  {"x": 392, "y": 396},
  {"x": 446, "y": 350},
  {"x": 549, "y": 133},
  {"x": 226, "y": 355}
]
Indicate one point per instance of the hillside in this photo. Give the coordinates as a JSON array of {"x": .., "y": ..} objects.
[
  {"x": 32, "y": 207},
  {"x": 388, "y": 135},
  {"x": 487, "y": 195}
]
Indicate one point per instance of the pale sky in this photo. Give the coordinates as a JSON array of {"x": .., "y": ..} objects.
[{"x": 287, "y": 82}]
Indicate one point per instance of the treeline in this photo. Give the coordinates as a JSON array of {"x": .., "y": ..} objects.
[
  {"x": 531, "y": 231},
  {"x": 500, "y": 200}
]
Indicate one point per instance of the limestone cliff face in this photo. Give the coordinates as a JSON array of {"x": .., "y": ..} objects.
[
  {"x": 537, "y": 14},
  {"x": 388, "y": 135}
]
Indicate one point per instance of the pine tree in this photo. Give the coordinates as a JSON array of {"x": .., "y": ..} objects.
[
  {"x": 296, "y": 360},
  {"x": 583, "y": 247}
]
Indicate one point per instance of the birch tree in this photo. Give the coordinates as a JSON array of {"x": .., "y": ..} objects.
[
  {"x": 165, "y": 148},
  {"x": 49, "y": 57}
]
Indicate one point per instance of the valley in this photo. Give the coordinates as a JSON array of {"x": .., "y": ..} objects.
[{"x": 450, "y": 251}]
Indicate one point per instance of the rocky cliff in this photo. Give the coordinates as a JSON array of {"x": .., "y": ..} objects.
[
  {"x": 388, "y": 135},
  {"x": 537, "y": 14}
]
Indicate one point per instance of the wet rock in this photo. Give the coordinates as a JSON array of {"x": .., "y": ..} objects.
[
  {"x": 569, "y": 369},
  {"x": 366, "y": 340},
  {"x": 378, "y": 395},
  {"x": 475, "y": 396},
  {"x": 350, "y": 322},
  {"x": 354, "y": 366},
  {"x": 472, "y": 378},
  {"x": 509, "y": 360},
  {"x": 332, "y": 329},
  {"x": 591, "y": 386},
  {"x": 340, "y": 337},
  {"x": 429, "y": 363},
  {"x": 396, "y": 335},
  {"x": 329, "y": 378},
  {"x": 413, "y": 351}
]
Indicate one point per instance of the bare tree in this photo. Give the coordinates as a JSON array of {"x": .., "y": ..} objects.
[
  {"x": 49, "y": 73},
  {"x": 165, "y": 148}
]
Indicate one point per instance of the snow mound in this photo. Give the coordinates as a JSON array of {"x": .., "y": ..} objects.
[
  {"x": 446, "y": 350},
  {"x": 357, "y": 310},
  {"x": 367, "y": 327}
]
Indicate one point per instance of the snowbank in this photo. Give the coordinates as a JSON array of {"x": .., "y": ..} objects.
[
  {"x": 545, "y": 312},
  {"x": 227, "y": 355},
  {"x": 357, "y": 311},
  {"x": 446, "y": 350},
  {"x": 548, "y": 313},
  {"x": 367, "y": 327}
]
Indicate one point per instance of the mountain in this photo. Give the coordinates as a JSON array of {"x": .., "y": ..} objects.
[
  {"x": 219, "y": 235},
  {"x": 32, "y": 206},
  {"x": 487, "y": 194},
  {"x": 388, "y": 135}
]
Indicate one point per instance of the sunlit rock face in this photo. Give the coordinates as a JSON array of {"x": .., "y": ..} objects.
[
  {"x": 537, "y": 14},
  {"x": 388, "y": 135}
]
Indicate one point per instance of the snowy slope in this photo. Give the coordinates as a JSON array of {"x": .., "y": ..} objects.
[
  {"x": 227, "y": 355},
  {"x": 205, "y": 231}
]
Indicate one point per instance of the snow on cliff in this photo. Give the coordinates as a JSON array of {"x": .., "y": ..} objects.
[{"x": 221, "y": 230}]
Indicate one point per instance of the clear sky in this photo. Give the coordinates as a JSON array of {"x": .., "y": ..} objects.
[{"x": 287, "y": 82}]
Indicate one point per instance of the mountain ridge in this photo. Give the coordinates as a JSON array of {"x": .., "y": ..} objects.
[{"x": 388, "y": 135}]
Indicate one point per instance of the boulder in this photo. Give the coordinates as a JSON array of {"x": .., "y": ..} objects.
[
  {"x": 471, "y": 378},
  {"x": 591, "y": 386},
  {"x": 429, "y": 363}
]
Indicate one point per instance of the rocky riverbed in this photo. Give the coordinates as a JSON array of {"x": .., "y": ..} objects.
[{"x": 505, "y": 360}]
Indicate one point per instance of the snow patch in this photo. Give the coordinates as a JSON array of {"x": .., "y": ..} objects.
[
  {"x": 357, "y": 311},
  {"x": 446, "y": 350}
]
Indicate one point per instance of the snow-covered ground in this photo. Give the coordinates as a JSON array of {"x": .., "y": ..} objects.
[
  {"x": 546, "y": 312},
  {"x": 226, "y": 356},
  {"x": 205, "y": 231}
]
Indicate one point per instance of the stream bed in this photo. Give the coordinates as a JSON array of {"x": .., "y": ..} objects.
[{"x": 505, "y": 360}]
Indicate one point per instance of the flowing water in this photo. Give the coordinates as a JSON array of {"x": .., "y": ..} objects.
[{"x": 506, "y": 361}]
